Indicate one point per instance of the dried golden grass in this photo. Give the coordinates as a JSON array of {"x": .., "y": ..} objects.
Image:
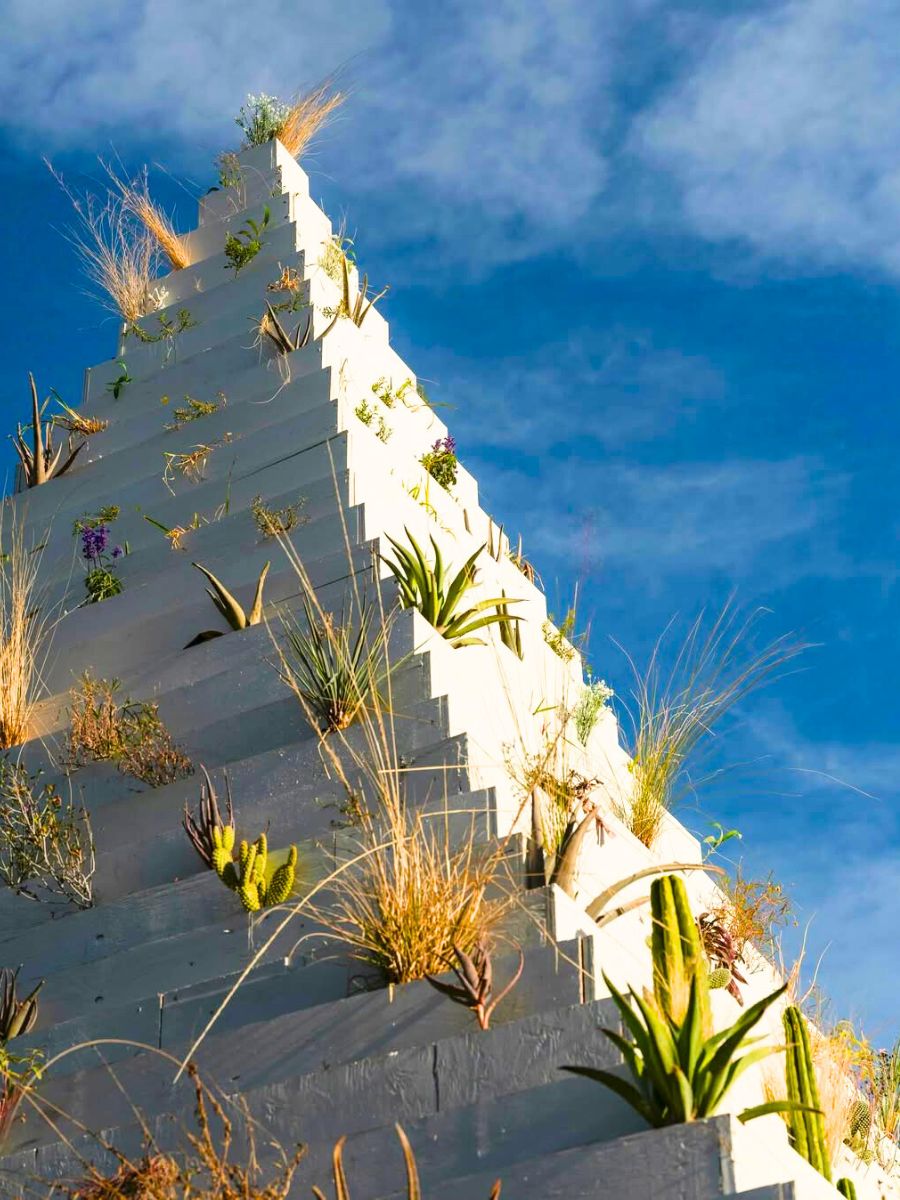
[
  {"x": 136, "y": 199},
  {"x": 26, "y": 629},
  {"x": 119, "y": 258},
  {"x": 308, "y": 115}
]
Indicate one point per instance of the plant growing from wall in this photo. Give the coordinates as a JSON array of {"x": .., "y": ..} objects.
[
  {"x": 270, "y": 329},
  {"x": 277, "y": 522},
  {"x": 333, "y": 666},
  {"x": 355, "y": 310},
  {"x": 437, "y": 597},
  {"x": 337, "y": 250},
  {"x": 722, "y": 952},
  {"x": 249, "y": 875},
  {"x": 242, "y": 247},
  {"x": 263, "y": 117},
  {"x": 191, "y": 464},
  {"x": 26, "y": 630},
  {"x": 75, "y": 423},
  {"x": 390, "y": 396},
  {"x": 46, "y": 843},
  {"x": 101, "y": 581},
  {"x": 212, "y": 837},
  {"x": 38, "y": 461},
  {"x": 368, "y": 416},
  {"x": 121, "y": 381},
  {"x": 136, "y": 200},
  {"x": 680, "y": 1071},
  {"x": 194, "y": 410},
  {"x": 560, "y": 640},
  {"x": 130, "y": 734},
  {"x": 17, "y": 1017},
  {"x": 806, "y": 1125},
  {"x": 441, "y": 462},
  {"x": 18, "y": 1074},
  {"x": 168, "y": 331},
  {"x": 230, "y": 608},
  {"x": 752, "y": 910},
  {"x": 510, "y": 631},
  {"x": 593, "y": 701},
  {"x": 474, "y": 988},
  {"x": 677, "y": 709},
  {"x": 413, "y": 1187}
]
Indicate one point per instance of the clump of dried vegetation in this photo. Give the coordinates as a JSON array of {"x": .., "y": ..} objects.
[
  {"x": 129, "y": 733},
  {"x": 26, "y": 630}
]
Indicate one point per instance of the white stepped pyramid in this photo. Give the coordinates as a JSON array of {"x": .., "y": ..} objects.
[{"x": 314, "y": 1049}]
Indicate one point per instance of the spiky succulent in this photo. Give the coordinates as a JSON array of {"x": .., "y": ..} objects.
[
  {"x": 437, "y": 597},
  {"x": 39, "y": 462},
  {"x": 476, "y": 981},
  {"x": 229, "y": 607},
  {"x": 721, "y": 950},
  {"x": 210, "y": 836},
  {"x": 16, "y": 1016},
  {"x": 286, "y": 343},
  {"x": 360, "y": 308}
]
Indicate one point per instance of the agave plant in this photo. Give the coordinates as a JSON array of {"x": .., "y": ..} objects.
[
  {"x": 229, "y": 607},
  {"x": 209, "y": 834},
  {"x": 413, "y": 1187},
  {"x": 285, "y": 343},
  {"x": 332, "y": 671},
  {"x": 39, "y": 462},
  {"x": 475, "y": 989},
  {"x": 437, "y": 598},
  {"x": 361, "y": 306},
  {"x": 16, "y": 1016},
  {"x": 677, "y": 1074}
]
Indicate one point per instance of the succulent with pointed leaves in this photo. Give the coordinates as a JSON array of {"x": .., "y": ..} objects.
[
  {"x": 721, "y": 950},
  {"x": 16, "y": 1016},
  {"x": 476, "y": 982},
  {"x": 229, "y": 607},
  {"x": 211, "y": 837},
  {"x": 413, "y": 1186},
  {"x": 286, "y": 343},
  {"x": 359, "y": 309},
  {"x": 38, "y": 461}
]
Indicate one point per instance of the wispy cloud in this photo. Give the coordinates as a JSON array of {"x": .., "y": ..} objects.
[{"x": 784, "y": 132}]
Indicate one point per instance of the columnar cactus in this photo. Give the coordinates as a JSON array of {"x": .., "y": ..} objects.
[
  {"x": 677, "y": 952},
  {"x": 806, "y": 1128},
  {"x": 847, "y": 1188}
]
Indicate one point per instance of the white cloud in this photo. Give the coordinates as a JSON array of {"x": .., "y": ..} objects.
[{"x": 785, "y": 133}]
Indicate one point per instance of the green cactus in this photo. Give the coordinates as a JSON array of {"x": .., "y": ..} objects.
[
  {"x": 847, "y": 1188},
  {"x": 719, "y": 978},
  {"x": 677, "y": 953},
  {"x": 806, "y": 1128},
  {"x": 247, "y": 876},
  {"x": 860, "y": 1122},
  {"x": 223, "y": 847}
]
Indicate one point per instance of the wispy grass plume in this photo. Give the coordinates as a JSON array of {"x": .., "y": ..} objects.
[
  {"x": 26, "y": 629},
  {"x": 308, "y": 115},
  {"x": 136, "y": 199}
]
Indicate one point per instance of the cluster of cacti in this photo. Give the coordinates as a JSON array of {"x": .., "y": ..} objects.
[
  {"x": 16, "y": 1016},
  {"x": 248, "y": 875},
  {"x": 806, "y": 1123},
  {"x": 476, "y": 982},
  {"x": 859, "y": 1123},
  {"x": 678, "y": 958},
  {"x": 38, "y": 461}
]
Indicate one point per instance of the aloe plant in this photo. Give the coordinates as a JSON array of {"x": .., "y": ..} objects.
[
  {"x": 428, "y": 589},
  {"x": 475, "y": 988},
  {"x": 677, "y": 1074},
  {"x": 228, "y": 606},
  {"x": 16, "y": 1016},
  {"x": 286, "y": 343},
  {"x": 210, "y": 835},
  {"x": 38, "y": 461}
]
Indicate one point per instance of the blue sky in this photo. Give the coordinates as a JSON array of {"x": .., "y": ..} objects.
[{"x": 648, "y": 253}]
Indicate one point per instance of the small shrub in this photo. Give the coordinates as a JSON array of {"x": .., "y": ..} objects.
[
  {"x": 260, "y": 118},
  {"x": 131, "y": 734},
  {"x": 121, "y": 381},
  {"x": 18, "y": 1074},
  {"x": 193, "y": 410},
  {"x": 368, "y": 415},
  {"x": 242, "y": 247},
  {"x": 277, "y": 522},
  {"x": 168, "y": 328},
  {"x": 441, "y": 462},
  {"x": 390, "y": 396},
  {"x": 335, "y": 252},
  {"x": 560, "y": 640},
  {"x": 76, "y": 423},
  {"x": 46, "y": 844}
]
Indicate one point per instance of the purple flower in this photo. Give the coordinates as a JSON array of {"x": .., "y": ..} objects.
[
  {"x": 445, "y": 445},
  {"x": 117, "y": 552},
  {"x": 94, "y": 541}
]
